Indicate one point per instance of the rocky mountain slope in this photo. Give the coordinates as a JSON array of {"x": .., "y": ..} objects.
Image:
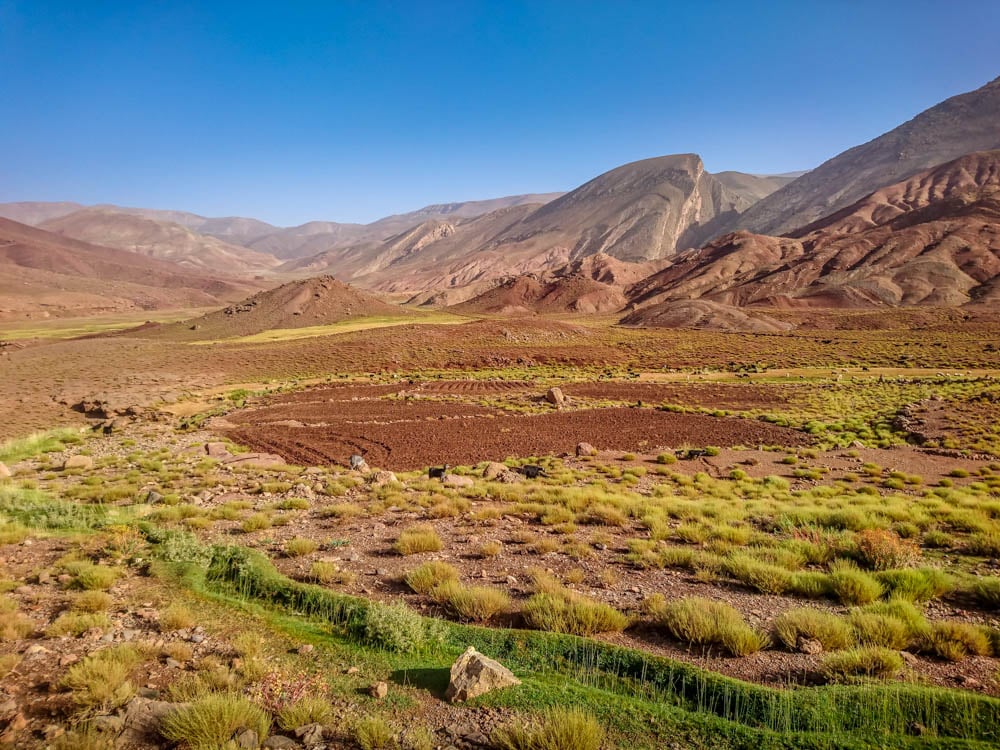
[
  {"x": 298, "y": 304},
  {"x": 933, "y": 239},
  {"x": 46, "y": 274},
  {"x": 957, "y": 126},
  {"x": 160, "y": 239}
]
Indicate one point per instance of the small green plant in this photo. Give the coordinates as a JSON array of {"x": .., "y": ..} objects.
[
  {"x": 420, "y": 538},
  {"x": 393, "y": 627},
  {"x": 832, "y": 632},
  {"x": 556, "y": 729},
  {"x": 851, "y": 585},
  {"x": 309, "y": 709},
  {"x": 102, "y": 679},
  {"x": 375, "y": 733},
  {"x": 77, "y": 623},
  {"x": 300, "y": 546},
  {"x": 425, "y": 577},
  {"x": 472, "y": 603},
  {"x": 568, "y": 612},
  {"x": 176, "y": 617},
  {"x": 210, "y": 721},
  {"x": 878, "y": 663},
  {"x": 702, "y": 622}
]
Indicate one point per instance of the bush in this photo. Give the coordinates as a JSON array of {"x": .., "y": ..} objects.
[
  {"x": 880, "y": 663},
  {"x": 987, "y": 590},
  {"x": 701, "y": 622},
  {"x": 986, "y": 544},
  {"x": 421, "y": 538},
  {"x": 329, "y": 572},
  {"x": 299, "y": 546},
  {"x": 559, "y": 729},
  {"x": 811, "y": 584},
  {"x": 954, "y": 641},
  {"x": 87, "y": 575},
  {"x": 176, "y": 617},
  {"x": 255, "y": 522},
  {"x": 423, "y": 578},
  {"x": 853, "y": 586},
  {"x": 309, "y": 709},
  {"x": 566, "y": 612},
  {"x": 92, "y": 601},
  {"x": 394, "y": 627},
  {"x": 77, "y": 623},
  {"x": 374, "y": 733},
  {"x": 475, "y": 603},
  {"x": 101, "y": 680},
  {"x": 14, "y": 625},
  {"x": 881, "y": 549},
  {"x": 761, "y": 576},
  {"x": 831, "y": 631},
  {"x": 916, "y": 584},
  {"x": 210, "y": 721}
]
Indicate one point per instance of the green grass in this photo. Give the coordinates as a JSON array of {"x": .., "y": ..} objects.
[
  {"x": 209, "y": 722},
  {"x": 644, "y": 697},
  {"x": 51, "y": 441}
]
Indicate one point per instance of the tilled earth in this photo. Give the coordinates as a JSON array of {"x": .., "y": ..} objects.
[{"x": 409, "y": 431}]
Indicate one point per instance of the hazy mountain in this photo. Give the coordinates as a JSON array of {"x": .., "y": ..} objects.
[
  {"x": 932, "y": 239},
  {"x": 42, "y": 273},
  {"x": 160, "y": 239},
  {"x": 960, "y": 125}
]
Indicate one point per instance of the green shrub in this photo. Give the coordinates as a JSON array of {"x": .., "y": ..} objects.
[
  {"x": 309, "y": 709},
  {"x": 558, "y": 729},
  {"x": 101, "y": 680},
  {"x": 853, "y": 586},
  {"x": 916, "y": 584},
  {"x": 423, "y": 578},
  {"x": 879, "y": 663},
  {"x": 210, "y": 721},
  {"x": 471, "y": 603},
  {"x": 87, "y": 575},
  {"x": 77, "y": 623},
  {"x": 986, "y": 544},
  {"x": 761, "y": 576},
  {"x": 374, "y": 733},
  {"x": 300, "y": 546},
  {"x": 393, "y": 627},
  {"x": 421, "y": 538},
  {"x": 831, "y": 631},
  {"x": 811, "y": 584},
  {"x": 954, "y": 641},
  {"x": 701, "y": 622},
  {"x": 567, "y": 612},
  {"x": 987, "y": 590},
  {"x": 881, "y": 549}
]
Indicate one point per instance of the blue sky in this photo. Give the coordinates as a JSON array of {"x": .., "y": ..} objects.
[{"x": 349, "y": 111}]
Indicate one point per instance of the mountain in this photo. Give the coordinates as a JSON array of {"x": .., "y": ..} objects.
[
  {"x": 932, "y": 239},
  {"x": 642, "y": 211},
  {"x": 957, "y": 126},
  {"x": 43, "y": 274},
  {"x": 755, "y": 187},
  {"x": 160, "y": 239},
  {"x": 702, "y": 314},
  {"x": 298, "y": 304}
]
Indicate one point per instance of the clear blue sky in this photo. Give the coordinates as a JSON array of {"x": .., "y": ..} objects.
[{"x": 290, "y": 111}]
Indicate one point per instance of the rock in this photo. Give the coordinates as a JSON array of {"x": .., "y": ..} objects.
[
  {"x": 455, "y": 480},
  {"x": 306, "y": 648},
  {"x": 113, "y": 724},
  {"x": 474, "y": 674},
  {"x": 352, "y": 670},
  {"x": 141, "y": 727},
  {"x": 264, "y": 460},
  {"x": 310, "y": 734},
  {"x": 555, "y": 396},
  {"x": 585, "y": 449},
  {"x": 857, "y": 444},
  {"x": 14, "y": 727},
  {"x": 247, "y": 740},
  {"x": 78, "y": 462},
  {"x": 809, "y": 646},
  {"x": 910, "y": 659},
  {"x": 217, "y": 450},
  {"x": 153, "y": 497},
  {"x": 279, "y": 742},
  {"x": 379, "y": 690},
  {"x": 493, "y": 470},
  {"x": 4, "y": 471},
  {"x": 380, "y": 478}
]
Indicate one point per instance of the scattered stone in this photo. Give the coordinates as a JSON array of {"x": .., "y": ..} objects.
[
  {"x": 809, "y": 646},
  {"x": 352, "y": 670},
  {"x": 306, "y": 648},
  {"x": 380, "y": 478},
  {"x": 142, "y": 721},
  {"x": 247, "y": 740},
  {"x": 379, "y": 690},
  {"x": 455, "y": 480},
  {"x": 474, "y": 674},
  {"x": 68, "y": 659},
  {"x": 910, "y": 659},
  {"x": 217, "y": 450},
  {"x": 585, "y": 449},
  {"x": 78, "y": 462},
  {"x": 173, "y": 663},
  {"x": 555, "y": 396},
  {"x": 310, "y": 734}
]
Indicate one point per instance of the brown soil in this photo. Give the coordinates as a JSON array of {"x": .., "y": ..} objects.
[{"x": 399, "y": 434}]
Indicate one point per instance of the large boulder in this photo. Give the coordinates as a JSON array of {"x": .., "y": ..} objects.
[
  {"x": 585, "y": 449},
  {"x": 474, "y": 674},
  {"x": 380, "y": 478},
  {"x": 497, "y": 472}
]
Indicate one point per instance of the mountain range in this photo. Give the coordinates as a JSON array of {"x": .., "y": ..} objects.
[{"x": 907, "y": 218}]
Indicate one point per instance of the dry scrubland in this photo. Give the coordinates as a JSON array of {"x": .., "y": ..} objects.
[{"x": 803, "y": 551}]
